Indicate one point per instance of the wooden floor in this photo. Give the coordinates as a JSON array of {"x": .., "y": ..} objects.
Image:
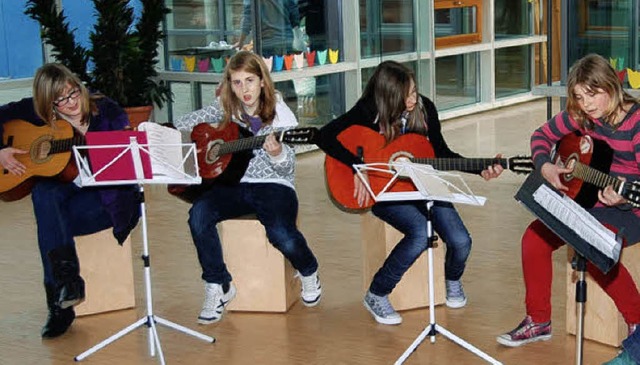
[{"x": 339, "y": 330}]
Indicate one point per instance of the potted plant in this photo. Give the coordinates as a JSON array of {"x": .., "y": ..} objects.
[{"x": 121, "y": 60}]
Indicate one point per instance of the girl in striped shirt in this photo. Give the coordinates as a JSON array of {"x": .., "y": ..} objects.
[{"x": 597, "y": 107}]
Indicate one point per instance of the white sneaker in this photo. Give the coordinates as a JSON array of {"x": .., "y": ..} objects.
[
  {"x": 381, "y": 309},
  {"x": 311, "y": 289},
  {"x": 214, "y": 302}
]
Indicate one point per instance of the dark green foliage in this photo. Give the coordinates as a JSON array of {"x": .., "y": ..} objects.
[{"x": 124, "y": 56}]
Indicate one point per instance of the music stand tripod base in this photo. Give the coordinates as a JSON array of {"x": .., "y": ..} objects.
[
  {"x": 88, "y": 178},
  {"x": 433, "y": 328},
  {"x": 431, "y": 185}
]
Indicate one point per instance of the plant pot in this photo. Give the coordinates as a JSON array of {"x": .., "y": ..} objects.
[{"x": 138, "y": 114}]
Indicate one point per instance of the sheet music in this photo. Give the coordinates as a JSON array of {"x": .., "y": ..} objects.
[
  {"x": 431, "y": 184},
  {"x": 165, "y": 148},
  {"x": 579, "y": 220}
]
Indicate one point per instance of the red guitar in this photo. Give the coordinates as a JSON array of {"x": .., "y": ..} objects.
[
  {"x": 49, "y": 155},
  {"x": 590, "y": 173},
  {"x": 413, "y": 147},
  {"x": 223, "y": 154}
]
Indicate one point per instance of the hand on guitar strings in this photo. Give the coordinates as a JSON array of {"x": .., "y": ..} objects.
[
  {"x": 551, "y": 172},
  {"x": 360, "y": 192},
  {"x": 609, "y": 197},
  {"x": 492, "y": 171},
  {"x": 272, "y": 146},
  {"x": 9, "y": 162}
]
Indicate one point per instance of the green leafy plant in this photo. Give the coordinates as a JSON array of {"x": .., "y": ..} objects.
[{"x": 123, "y": 55}]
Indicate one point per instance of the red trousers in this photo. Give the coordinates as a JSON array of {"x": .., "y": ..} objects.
[{"x": 538, "y": 243}]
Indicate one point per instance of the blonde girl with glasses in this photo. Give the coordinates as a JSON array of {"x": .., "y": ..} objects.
[{"x": 62, "y": 208}]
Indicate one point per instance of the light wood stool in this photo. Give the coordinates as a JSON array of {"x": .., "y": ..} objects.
[
  {"x": 602, "y": 320},
  {"x": 107, "y": 270},
  {"x": 378, "y": 239},
  {"x": 264, "y": 278}
]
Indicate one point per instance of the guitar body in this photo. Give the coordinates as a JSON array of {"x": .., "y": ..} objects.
[
  {"x": 574, "y": 148},
  {"x": 45, "y": 157},
  {"x": 224, "y": 169},
  {"x": 339, "y": 177},
  {"x": 224, "y": 154}
]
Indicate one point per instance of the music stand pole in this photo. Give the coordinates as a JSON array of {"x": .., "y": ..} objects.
[
  {"x": 433, "y": 328},
  {"x": 150, "y": 319},
  {"x": 580, "y": 265}
]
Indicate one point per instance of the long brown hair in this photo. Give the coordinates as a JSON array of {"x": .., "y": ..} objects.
[
  {"x": 248, "y": 62},
  {"x": 49, "y": 84},
  {"x": 389, "y": 86},
  {"x": 595, "y": 73}
]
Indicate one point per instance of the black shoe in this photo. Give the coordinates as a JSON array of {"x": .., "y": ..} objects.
[
  {"x": 71, "y": 293},
  {"x": 66, "y": 272},
  {"x": 58, "y": 321}
]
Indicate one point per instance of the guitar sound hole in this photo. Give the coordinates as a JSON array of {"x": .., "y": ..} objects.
[
  {"x": 213, "y": 153},
  {"x": 40, "y": 150}
]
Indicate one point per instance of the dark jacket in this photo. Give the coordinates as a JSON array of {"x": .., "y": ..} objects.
[
  {"x": 122, "y": 202},
  {"x": 364, "y": 113}
]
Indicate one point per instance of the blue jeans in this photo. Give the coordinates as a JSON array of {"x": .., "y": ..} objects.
[
  {"x": 62, "y": 211},
  {"x": 632, "y": 345},
  {"x": 410, "y": 218},
  {"x": 276, "y": 207}
]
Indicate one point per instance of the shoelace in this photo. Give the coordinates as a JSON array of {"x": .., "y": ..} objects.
[
  {"x": 455, "y": 289},
  {"x": 210, "y": 296},
  {"x": 309, "y": 283},
  {"x": 384, "y": 305}
]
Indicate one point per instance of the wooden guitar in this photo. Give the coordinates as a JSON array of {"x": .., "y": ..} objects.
[
  {"x": 590, "y": 161},
  {"x": 223, "y": 154},
  {"x": 49, "y": 155},
  {"x": 412, "y": 147}
]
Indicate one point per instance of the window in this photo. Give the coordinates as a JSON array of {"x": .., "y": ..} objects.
[
  {"x": 512, "y": 70},
  {"x": 458, "y": 22},
  {"x": 386, "y": 27},
  {"x": 457, "y": 81}
]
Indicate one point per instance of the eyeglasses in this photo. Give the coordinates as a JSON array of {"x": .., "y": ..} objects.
[{"x": 62, "y": 101}]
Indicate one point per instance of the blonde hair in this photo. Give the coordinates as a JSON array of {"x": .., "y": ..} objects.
[
  {"x": 248, "y": 62},
  {"x": 595, "y": 73},
  {"x": 49, "y": 84}
]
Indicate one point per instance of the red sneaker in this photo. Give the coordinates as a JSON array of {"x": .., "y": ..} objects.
[{"x": 526, "y": 332}]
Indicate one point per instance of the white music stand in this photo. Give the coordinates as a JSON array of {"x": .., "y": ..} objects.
[
  {"x": 173, "y": 174},
  {"x": 431, "y": 185}
]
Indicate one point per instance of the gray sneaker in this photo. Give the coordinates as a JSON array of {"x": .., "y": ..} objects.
[
  {"x": 381, "y": 309},
  {"x": 215, "y": 300},
  {"x": 455, "y": 294}
]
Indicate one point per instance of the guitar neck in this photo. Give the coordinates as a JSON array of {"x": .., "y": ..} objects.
[
  {"x": 461, "y": 164},
  {"x": 65, "y": 145},
  {"x": 595, "y": 177},
  {"x": 247, "y": 143}
]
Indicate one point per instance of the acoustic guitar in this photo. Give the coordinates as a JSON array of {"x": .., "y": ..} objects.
[
  {"x": 223, "y": 154},
  {"x": 373, "y": 147},
  {"x": 48, "y": 155},
  {"x": 590, "y": 161}
]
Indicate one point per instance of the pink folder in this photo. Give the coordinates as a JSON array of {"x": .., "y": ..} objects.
[{"x": 123, "y": 168}]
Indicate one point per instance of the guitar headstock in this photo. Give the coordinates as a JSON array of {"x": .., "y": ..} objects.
[
  {"x": 520, "y": 164},
  {"x": 631, "y": 192},
  {"x": 307, "y": 135}
]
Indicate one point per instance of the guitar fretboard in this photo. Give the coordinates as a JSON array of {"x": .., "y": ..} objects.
[
  {"x": 461, "y": 164},
  {"x": 64, "y": 145},
  {"x": 242, "y": 144},
  {"x": 595, "y": 177}
]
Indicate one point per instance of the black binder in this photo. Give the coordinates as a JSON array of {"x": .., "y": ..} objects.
[{"x": 566, "y": 233}]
